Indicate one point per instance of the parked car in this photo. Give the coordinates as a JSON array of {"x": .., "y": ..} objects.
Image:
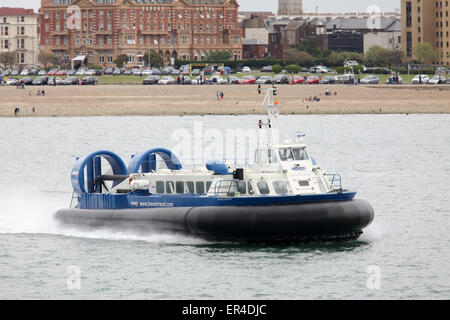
[
  {"x": 108, "y": 71},
  {"x": 14, "y": 73},
  {"x": 81, "y": 72},
  {"x": 117, "y": 72},
  {"x": 51, "y": 81},
  {"x": 71, "y": 73},
  {"x": 247, "y": 80},
  {"x": 156, "y": 72},
  {"x": 27, "y": 81},
  {"x": 421, "y": 78},
  {"x": 146, "y": 72},
  {"x": 350, "y": 63},
  {"x": 448, "y": 80},
  {"x": 42, "y": 72},
  {"x": 442, "y": 70},
  {"x": 25, "y": 72},
  {"x": 281, "y": 79},
  {"x": 319, "y": 69},
  {"x": 266, "y": 69},
  {"x": 59, "y": 81},
  {"x": 33, "y": 72},
  {"x": 151, "y": 79},
  {"x": 392, "y": 80},
  {"x": 265, "y": 80},
  {"x": 166, "y": 80},
  {"x": 298, "y": 80},
  {"x": 439, "y": 79},
  {"x": 246, "y": 69},
  {"x": 234, "y": 80},
  {"x": 208, "y": 71},
  {"x": 52, "y": 72},
  {"x": 61, "y": 73},
  {"x": 330, "y": 80},
  {"x": 347, "y": 78},
  {"x": 89, "y": 81},
  {"x": 127, "y": 72},
  {"x": 40, "y": 81},
  {"x": 6, "y": 72},
  {"x": 187, "y": 80},
  {"x": 218, "y": 80},
  {"x": 71, "y": 81},
  {"x": 12, "y": 82},
  {"x": 370, "y": 80},
  {"x": 136, "y": 72},
  {"x": 313, "y": 80},
  {"x": 196, "y": 72}
]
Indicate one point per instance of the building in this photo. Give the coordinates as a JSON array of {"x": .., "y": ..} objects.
[
  {"x": 100, "y": 30},
  {"x": 358, "y": 34},
  {"x": 426, "y": 21},
  {"x": 290, "y": 7},
  {"x": 19, "y": 33}
]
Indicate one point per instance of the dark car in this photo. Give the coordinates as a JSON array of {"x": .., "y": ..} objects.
[
  {"x": 71, "y": 81},
  {"x": 89, "y": 81},
  {"x": 151, "y": 80},
  {"x": 40, "y": 81},
  {"x": 33, "y": 72},
  {"x": 266, "y": 69},
  {"x": 329, "y": 80},
  {"x": 27, "y": 81},
  {"x": 281, "y": 79}
]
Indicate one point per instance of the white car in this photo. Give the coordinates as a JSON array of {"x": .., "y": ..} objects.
[
  {"x": 319, "y": 69},
  {"x": 166, "y": 80},
  {"x": 246, "y": 69},
  {"x": 437, "y": 80},
  {"x": 90, "y": 73},
  {"x": 81, "y": 72},
  {"x": 218, "y": 80},
  {"x": 25, "y": 72},
  {"x": 420, "y": 78},
  {"x": 147, "y": 72},
  {"x": 351, "y": 63}
]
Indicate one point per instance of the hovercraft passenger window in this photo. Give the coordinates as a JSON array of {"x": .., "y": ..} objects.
[
  {"x": 208, "y": 185},
  {"x": 180, "y": 186},
  {"x": 242, "y": 187},
  {"x": 263, "y": 187},
  {"x": 159, "y": 187},
  {"x": 190, "y": 187},
  {"x": 304, "y": 183},
  {"x": 280, "y": 187},
  {"x": 169, "y": 187},
  {"x": 200, "y": 187}
]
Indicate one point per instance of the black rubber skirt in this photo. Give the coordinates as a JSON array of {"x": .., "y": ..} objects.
[{"x": 322, "y": 221}]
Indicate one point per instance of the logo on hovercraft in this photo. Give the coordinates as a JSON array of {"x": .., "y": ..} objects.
[
  {"x": 298, "y": 168},
  {"x": 148, "y": 204}
]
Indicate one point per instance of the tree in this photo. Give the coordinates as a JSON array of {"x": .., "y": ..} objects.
[
  {"x": 156, "y": 60},
  {"x": 277, "y": 68},
  {"x": 301, "y": 58},
  {"x": 121, "y": 60},
  {"x": 292, "y": 68},
  {"x": 425, "y": 53},
  {"x": 8, "y": 59},
  {"x": 47, "y": 58},
  {"x": 376, "y": 56},
  {"x": 310, "y": 47},
  {"x": 219, "y": 56},
  {"x": 338, "y": 58}
]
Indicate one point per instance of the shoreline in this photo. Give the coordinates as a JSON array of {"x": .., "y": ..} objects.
[{"x": 130, "y": 100}]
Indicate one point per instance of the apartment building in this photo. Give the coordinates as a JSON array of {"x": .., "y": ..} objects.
[{"x": 19, "y": 33}]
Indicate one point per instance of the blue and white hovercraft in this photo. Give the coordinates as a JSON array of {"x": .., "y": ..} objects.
[{"x": 283, "y": 196}]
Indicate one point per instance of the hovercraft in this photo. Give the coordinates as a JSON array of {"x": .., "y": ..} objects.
[{"x": 284, "y": 196}]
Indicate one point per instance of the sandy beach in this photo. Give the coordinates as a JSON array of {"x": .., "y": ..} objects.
[{"x": 198, "y": 100}]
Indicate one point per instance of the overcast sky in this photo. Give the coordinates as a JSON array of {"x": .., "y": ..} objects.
[{"x": 270, "y": 5}]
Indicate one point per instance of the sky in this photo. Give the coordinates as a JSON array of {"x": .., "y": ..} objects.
[{"x": 271, "y": 5}]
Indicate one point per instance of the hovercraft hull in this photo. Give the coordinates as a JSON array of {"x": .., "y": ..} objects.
[{"x": 319, "y": 221}]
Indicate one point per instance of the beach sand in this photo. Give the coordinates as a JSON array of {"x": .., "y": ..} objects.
[{"x": 198, "y": 100}]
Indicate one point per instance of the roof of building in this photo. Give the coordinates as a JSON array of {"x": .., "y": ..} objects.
[
  {"x": 294, "y": 25},
  {"x": 368, "y": 23},
  {"x": 7, "y": 11},
  {"x": 253, "y": 42}
]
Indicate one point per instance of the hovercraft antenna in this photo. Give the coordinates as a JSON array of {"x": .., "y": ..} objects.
[{"x": 270, "y": 104}]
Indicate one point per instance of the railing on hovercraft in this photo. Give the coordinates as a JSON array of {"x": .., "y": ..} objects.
[{"x": 335, "y": 182}]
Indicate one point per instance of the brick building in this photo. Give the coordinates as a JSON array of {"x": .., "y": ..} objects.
[
  {"x": 426, "y": 21},
  {"x": 19, "y": 33},
  {"x": 103, "y": 29}
]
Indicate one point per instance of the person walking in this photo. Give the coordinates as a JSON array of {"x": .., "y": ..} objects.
[{"x": 17, "y": 111}]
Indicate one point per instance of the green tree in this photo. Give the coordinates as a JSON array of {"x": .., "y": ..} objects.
[
  {"x": 338, "y": 58},
  {"x": 156, "y": 60},
  {"x": 47, "y": 58},
  {"x": 425, "y": 52},
  {"x": 310, "y": 47},
  {"x": 376, "y": 56},
  {"x": 301, "y": 58},
  {"x": 292, "y": 68},
  {"x": 222, "y": 55},
  {"x": 121, "y": 60},
  {"x": 8, "y": 59},
  {"x": 277, "y": 68}
]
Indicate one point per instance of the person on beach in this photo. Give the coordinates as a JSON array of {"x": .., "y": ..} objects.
[
  {"x": 38, "y": 93},
  {"x": 17, "y": 111},
  {"x": 43, "y": 93},
  {"x": 218, "y": 95},
  {"x": 221, "y": 95}
]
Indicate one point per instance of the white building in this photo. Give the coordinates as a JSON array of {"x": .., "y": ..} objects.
[{"x": 19, "y": 33}]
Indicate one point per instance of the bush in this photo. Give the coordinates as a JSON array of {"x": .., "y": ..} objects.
[
  {"x": 277, "y": 68},
  {"x": 235, "y": 64},
  {"x": 94, "y": 67},
  {"x": 292, "y": 68},
  {"x": 342, "y": 70},
  {"x": 358, "y": 69}
]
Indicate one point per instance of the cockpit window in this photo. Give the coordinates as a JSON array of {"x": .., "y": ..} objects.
[
  {"x": 280, "y": 187},
  {"x": 263, "y": 187},
  {"x": 291, "y": 154}
]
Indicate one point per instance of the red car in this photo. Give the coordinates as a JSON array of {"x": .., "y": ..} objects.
[
  {"x": 61, "y": 73},
  {"x": 298, "y": 80},
  {"x": 313, "y": 80},
  {"x": 247, "y": 80},
  {"x": 52, "y": 72}
]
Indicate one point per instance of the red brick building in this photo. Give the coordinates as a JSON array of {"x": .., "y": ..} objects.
[{"x": 103, "y": 29}]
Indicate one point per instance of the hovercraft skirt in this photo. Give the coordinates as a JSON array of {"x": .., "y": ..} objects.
[{"x": 339, "y": 220}]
